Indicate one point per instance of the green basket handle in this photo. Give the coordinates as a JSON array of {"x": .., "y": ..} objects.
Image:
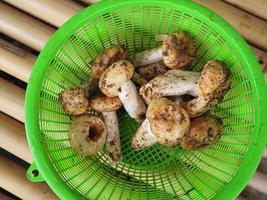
[{"x": 33, "y": 174}]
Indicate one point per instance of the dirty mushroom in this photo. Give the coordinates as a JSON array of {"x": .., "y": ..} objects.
[
  {"x": 74, "y": 101},
  {"x": 204, "y": 131},
  {"x": 212, "y": 86},
  {"x": 87, "y": 135},
  {"x": 175, "y": 82},
  {"x": 152, "y": 70},
  {"x": 176, "y": 51},
  {"x": 105, "y": 59},
  {"x": 108, "y": 106},
  {"x": 144, "y": 137},
  {"x": 166, "y": 123},
  {"x": 116, "y": 81}
]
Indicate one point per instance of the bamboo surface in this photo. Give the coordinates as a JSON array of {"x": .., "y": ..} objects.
[
  {"x": 13, "y": 179},
  {"x": 24, "y": 28},
  {"x": 49, "y": 11},
  {"x": 15, "y": 61},
  {"x": 255, "y": 7},
  {"x": 12, "y": 100},
  {"x": 13, "y": 138}
]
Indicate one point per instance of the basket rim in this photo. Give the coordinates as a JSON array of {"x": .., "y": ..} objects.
[{"x": 250, "y": 163}]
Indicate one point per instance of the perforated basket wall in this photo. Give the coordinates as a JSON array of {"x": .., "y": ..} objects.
[{"x": 220, "y": 171}]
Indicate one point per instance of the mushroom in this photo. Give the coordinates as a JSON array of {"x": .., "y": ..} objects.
[
  {"x": 144, "y": 137},
  {"x": 74, "y": 101},
  {"x": 108, "y": 107},
  {"x": 212, "y": 86},
  {"x": 152, "y": 70},
  {"x": 87, "y": 134},
  {"x": 175, "y": 82},
  {"x": 177, "y": 51},
  {"x": 208, "y": 88},
  {"x": 116, "y": 81},
  {"x": 105, "y": 59},
  {"x": 165, "y": 123},
  {"x": 108, "y": 57},
  {"x": 204, "y": 130}
]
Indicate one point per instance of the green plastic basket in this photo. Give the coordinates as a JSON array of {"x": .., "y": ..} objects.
[{"x": 220, "y": 171}]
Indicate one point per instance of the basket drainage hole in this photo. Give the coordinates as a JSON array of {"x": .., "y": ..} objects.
[{"x": 35, "y": 172}]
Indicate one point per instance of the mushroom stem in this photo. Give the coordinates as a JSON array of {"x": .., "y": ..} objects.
[
  {"x": 177, "y": 51},
  {"x": 152, "y": 70},
  {"x": 143, "y": 137},
  {"x": 113, "y": 144},
  {"x": 138, "y": 79},
  {"x": 131, "y": 101},
  {"x": 147, "y": 57},
  {"x": 173, "y": 83}
]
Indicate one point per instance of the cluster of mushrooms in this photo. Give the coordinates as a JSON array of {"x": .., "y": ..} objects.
[{"x": 156, "y": 89}]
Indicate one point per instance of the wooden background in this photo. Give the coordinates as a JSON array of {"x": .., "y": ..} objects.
[{"x": 25, "y": 27}]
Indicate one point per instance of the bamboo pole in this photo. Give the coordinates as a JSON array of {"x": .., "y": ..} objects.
[
  {"x": 259, "y": 182},
  {"x": 15, "y": 61},
  {"x": 13, "y": 138},
  {"x": 12, "y": 100},
  {"x": 90, "y": 1},
  {"x": 24, "y": 28},
  {"x": 13, "y": 179},
  {"x": 257, "y": 8},
  {"x": 54, "y": 12},
  {"x": 252, "y": 28}
]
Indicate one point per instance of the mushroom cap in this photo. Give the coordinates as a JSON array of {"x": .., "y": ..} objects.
[
  {"x": 168, "y": 121},
  {"x": 212, "y": 86},
  {"x": 105, "y": 59},
  {"x": 87, "y": 135},
  {"x": 204, "y": 130},
  {"x": 117, "y": 74},
  {"x": 178, "y": 50},
  {"x": 105, "y": 104},
  {"x": 74, "y": 101}
]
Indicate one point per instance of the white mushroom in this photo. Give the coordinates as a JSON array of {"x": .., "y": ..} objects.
[
  {"x": 177, "y": 51},
  {"x": 105, "y": 59},
  {"x": 208, "y": 88},
  {"x": 152, "y": 70},
  {"x": 144, "y": 136},
  {"x": 74, "y": 101},
  {"x": 113, "y": 143},
  {"x": 212, "y": 86},
  {"x": 87, "y": 135},
  {"x": 167, "y": 121},
  {"x": 204, "y": 131},
  {"x": 116, "y": 81},
  {"x": 173, "y": 83},
  {"x": 108, "y": 107}
]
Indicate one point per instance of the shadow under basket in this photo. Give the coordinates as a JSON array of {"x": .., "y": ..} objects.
[{"x": 219, "y": 171}]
